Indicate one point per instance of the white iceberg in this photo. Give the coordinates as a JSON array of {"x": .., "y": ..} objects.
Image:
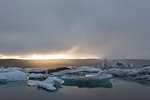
[
  {"x": 119, "y": 64},
  {"x": 86, "y": 69},
  {"x": 129, "y": 72},
  {"x": 104, "y": 64},
  {"x": 45, "y": 70},
  {"x": 144, "y": 70},
  {"x": 79, "y": 71},
  {"x": 9, "y": 69},
  {"x": 123, "y": 72},
  {"x": 38, "y": 76},
  {"x": 12, "y": 76},
  {"x": 50, "y": 83},
  {"x": 142, "y": 77},
  {"x": 35, "y": 70}
]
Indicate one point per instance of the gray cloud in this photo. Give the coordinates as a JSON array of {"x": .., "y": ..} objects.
[{"x": 112, "y": 28}]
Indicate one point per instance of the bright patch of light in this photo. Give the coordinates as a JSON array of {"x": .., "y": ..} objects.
[{"x": 61, "y": 56}]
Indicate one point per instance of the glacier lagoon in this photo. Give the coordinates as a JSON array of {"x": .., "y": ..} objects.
[{"x": 119, "y": 81}]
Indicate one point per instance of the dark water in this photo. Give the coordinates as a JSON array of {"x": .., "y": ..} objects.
[
  {"x": 115, "y": 89},
  {"x": 64, "y": 62}
]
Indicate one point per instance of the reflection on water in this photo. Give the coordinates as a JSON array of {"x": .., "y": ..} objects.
[
  {"x": 78, "y": 83},
  {"x": 45, "y": 90},
  {"x": 121, "y": 90},
  {"x": 13, "y": 85},
  {"x": 89, "y": 83}
]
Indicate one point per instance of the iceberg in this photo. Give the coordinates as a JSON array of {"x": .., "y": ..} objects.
[
  {"x": 38, "y": 76},
  {"x": 44, "y": 70},
  {"x": 86, "y": 69},
  {"x": 141, "y": 73},
  {"x": 104, "y": 64},
  {"x": 119, "y": 64},
  {"x": 50, "y": 83},
  {"x": 123, "y": 72},
  {"x": 79, "y": 71},
  {"x": 12, "y": 76},
  {"x": 9, "y": 69},
  {"x": 87, "y": 77},
  {"x": 144, "y": 70}
]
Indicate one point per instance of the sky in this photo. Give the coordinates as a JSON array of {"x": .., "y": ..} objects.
[{"x": 115, "y": 29}]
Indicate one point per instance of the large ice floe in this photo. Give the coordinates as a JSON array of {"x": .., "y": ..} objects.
[
  {"x": 129, "y": 72},
  {"x": 79, "y": 71},
  {"x": 12, "y": 76},
  {"x": 83, "y": 74},
  {"x": 123, "y": 70},
  {"x": 44, "y": 70},
  {"x": 51, "y": 83}
]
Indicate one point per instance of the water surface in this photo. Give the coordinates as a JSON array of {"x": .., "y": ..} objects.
[{"x": 115, "y": 89}]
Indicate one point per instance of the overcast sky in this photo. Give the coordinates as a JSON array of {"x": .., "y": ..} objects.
[{"x": 100, "y": 28}]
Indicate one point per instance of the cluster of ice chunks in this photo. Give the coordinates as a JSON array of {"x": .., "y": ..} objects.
[{"x": 76, "y": 75}]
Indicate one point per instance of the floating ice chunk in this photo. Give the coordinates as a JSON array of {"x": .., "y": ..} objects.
[
  {"x": 73, "y": 77},
  {"x": 9, "y": 69},
  {"x": 3, "y": 79},
  {"x": 79, "y": 71},
  {"x": 104, "y": 64},
  {"x": 144, "y": 70},
  {"x": 87, "y": 77},
  {"x": 86, "y": 69},
  {"x": 123, "y": 72},
  {"x": 13, "y": 76},
  {"x": 131, "y": 66},
  {"x": 100, "y": 77},
  {"x": 119, "y": 64},
  {"x": 143, "y": 77},
  {"x": 32, "y": 75},
  {"x": 35, "y": 70},
  {"x": 50, "y": 83},
  {"x": 44, "y": 70}
]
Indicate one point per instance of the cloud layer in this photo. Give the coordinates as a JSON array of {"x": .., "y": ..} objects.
[{"x": 99, "y": 28}]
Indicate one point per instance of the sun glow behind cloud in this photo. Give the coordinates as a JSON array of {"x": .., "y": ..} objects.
[
  {"x": 57, "y": 56},
  {"x": 72, "y": 53}
]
